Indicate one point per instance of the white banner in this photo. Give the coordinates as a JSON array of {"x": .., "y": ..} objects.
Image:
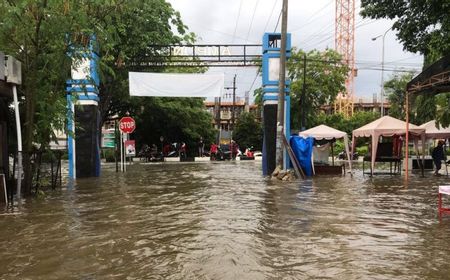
[{"x": 176, "y": 85}]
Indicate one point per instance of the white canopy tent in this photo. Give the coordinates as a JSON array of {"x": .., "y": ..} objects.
[
  {"x": 322, "y": 131},
  {"x": 433, "y": 132},
  {"x": 386, "y": 126}
]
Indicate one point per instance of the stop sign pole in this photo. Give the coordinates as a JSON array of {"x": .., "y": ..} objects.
[{"x": 126, "y": 126}]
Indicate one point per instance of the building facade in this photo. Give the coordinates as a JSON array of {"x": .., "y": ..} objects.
[
  {"x": 363, "y": 105},
  {"x": 222, "y": 112}
]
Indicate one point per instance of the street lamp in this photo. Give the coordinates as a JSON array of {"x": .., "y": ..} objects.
[{"x": 382, "y": 70}]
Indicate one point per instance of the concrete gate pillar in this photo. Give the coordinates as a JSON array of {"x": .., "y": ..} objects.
[
  {"x": 270, "y": 81},
  {"x": 82, "y": 110}
]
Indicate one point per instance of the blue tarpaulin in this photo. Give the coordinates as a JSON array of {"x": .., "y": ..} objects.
[{"x": 303, "y": 148}]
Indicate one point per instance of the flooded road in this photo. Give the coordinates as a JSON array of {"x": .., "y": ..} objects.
[{"x": 225, "y": 221}]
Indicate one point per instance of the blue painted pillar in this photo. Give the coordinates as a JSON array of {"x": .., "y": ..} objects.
[
  {"x": 270, "y": 75},
  {"x": 82, "y": 109}
]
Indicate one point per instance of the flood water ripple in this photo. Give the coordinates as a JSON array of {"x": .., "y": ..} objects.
[{"x": 225, "y": 220}]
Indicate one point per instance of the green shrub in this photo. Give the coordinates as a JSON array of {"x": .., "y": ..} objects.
[
  {"x": 364, "y": 150},
  {"x": 108, "y": 155}
]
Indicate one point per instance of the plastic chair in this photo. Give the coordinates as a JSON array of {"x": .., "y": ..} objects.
[{"x": 443, "y": 190}]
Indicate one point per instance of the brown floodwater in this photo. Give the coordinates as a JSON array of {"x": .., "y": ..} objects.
[{"x": 224, "y": 220}]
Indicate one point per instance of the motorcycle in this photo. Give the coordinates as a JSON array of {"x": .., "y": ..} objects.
[{"x": 343, "y": 156}]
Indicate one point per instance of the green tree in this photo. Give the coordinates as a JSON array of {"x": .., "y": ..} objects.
[
  {"x": 339, "y": 122},
  {"x": 422, "y": 26},
  {"x": 248, "y": 132},
  {"x": 176, "y": 119},
  {"x": 258, "y": 94},
  {"x": 325, "y": 78},
  {"x": 395, "y": 88},
  {"x": 36, "y": 32},
  {"x": 442, "y": 110}
]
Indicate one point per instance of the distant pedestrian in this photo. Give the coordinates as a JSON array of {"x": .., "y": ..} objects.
[
  {"x": 234, "y": 149},
  {"x": 438, "y": 156},
  {"x": 183, "y": 150},
  {"x": 213, "y": 151},
  {"x": 201, "y": 147}
]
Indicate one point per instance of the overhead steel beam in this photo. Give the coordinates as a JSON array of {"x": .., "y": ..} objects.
[{"x": 202, "y": 55}]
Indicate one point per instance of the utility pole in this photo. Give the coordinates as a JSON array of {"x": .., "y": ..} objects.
[
  {"x": 281, "y": 87},
  {"x": 232, "y": 108},
  {"x": 219, "y": 119},
  {"x": 234, "y": 104}
]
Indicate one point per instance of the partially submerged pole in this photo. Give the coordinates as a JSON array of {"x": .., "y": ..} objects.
[
  {"x": 281, "y": 87},
  {"x": 407, "y": 135},
  {"x": 19, "y": 144}
]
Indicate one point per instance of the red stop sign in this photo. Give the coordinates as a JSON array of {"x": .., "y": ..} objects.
[{"x": 127, "y": 125}]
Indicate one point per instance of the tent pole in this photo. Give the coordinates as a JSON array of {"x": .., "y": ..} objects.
[
  {"x": 407, "y": 135},
  {"x": 332, "y": 152}
]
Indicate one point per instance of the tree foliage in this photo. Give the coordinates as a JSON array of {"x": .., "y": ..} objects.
[
  {"x": 176, "y": 119},
  {"x": 40, "y": 34},
  {"x": 443, "y": 109},
  {"x": 422, "y": 26},
  {"x": 248, "y": 132},
  {"x": 422, "y": 107},
  {"x": 395, "y": 88},
  {"x": 339, "y": 122},
  {"x": 325, "y": 78}
]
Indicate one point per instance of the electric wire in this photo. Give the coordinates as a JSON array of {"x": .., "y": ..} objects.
[
  {"x": 278, "y": 21},
  {"x": 327, "y": 38},
  {"x": 276, "y": 26},
  {"x": 310, "y": 19},
  {"x": 251, "y": 21},
  {"x": 237, "y": 20},
  {"x": 271, "y": 13}
]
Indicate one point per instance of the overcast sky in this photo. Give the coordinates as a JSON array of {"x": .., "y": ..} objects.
[{"x": 311, "y": 24}]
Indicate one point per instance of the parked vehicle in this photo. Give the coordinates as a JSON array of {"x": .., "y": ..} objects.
[
  {"x": 223, "y": 152},
  {"x": 343, "y": 155},
  {"x": 248, "y": 154}
]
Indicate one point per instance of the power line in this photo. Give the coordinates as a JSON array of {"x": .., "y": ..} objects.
[
  {"x": 251, "y": 22},
  {"x": 271, "y": 13},
  {"x": 254, "y": 80},
  {"x": 226, "y": 34},
  {"x": 237, "y": 20},
  {"x": 358, "y": 25},
  {"x": 278, "y": 21},
  {"x": 310, "y": 19}
]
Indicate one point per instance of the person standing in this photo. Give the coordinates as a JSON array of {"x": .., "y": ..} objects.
[
  {"x": 438, "y": 156},
  {"x": 213, "y": 151},
  {"x": 183, "y": 150},
  {"x": 234, "y": 149},
  {"x": 201, "y": 147}
]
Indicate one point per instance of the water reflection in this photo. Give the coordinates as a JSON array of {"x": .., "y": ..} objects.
[{"x": 225, "y": 221}]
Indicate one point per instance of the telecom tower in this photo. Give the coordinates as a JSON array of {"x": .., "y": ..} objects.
[{"x": 345, "y": 45}]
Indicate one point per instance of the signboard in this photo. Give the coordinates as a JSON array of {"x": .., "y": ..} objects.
[
  {"x": 130, "y": 148},
  {"x": 274, "y": 69},
  {"x": 13, "y": 70},
  {"x": 81, "y": 69},
  {"x": 108, "y": 139},
  {"x": 127, "y": 125}
]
